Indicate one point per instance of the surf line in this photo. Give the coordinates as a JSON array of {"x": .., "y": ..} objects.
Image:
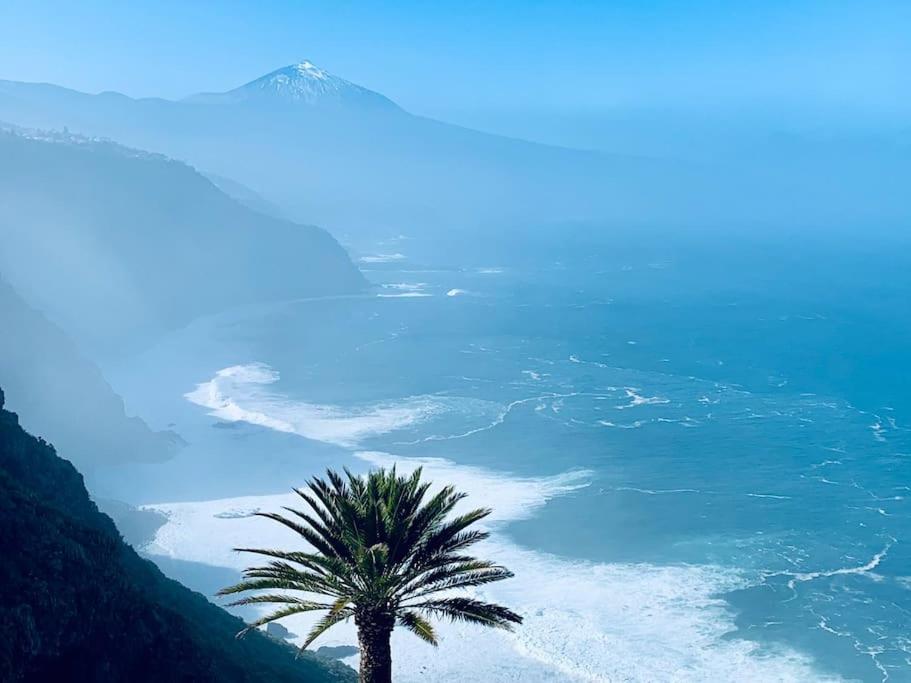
[
  {"x": 500, "y": 419},
  {"x": 800, "y": 577}
]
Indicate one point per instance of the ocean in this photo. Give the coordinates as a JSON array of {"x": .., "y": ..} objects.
[{"x": 698, "y": 455}]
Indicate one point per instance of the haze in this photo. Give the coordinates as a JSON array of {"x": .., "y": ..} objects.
[{"x": 635, "y": 276}]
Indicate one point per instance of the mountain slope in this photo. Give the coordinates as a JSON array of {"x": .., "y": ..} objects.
[
  {"x": 113, "y": 243},
  {"x": 334, "y": 152},
  {"x": 343, "y": 155},
  {"x": 61, "y": 394},
  {"x": 78, "y": 604}
]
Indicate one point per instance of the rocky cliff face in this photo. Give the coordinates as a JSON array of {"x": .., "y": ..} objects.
[{"x": 78, "y": 604}]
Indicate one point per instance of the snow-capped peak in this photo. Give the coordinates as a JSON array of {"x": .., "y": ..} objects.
[
  {"x": 299, "y": 82},
  {"x": 308, "y": 69},
  {"x": 304, "y": 83}
]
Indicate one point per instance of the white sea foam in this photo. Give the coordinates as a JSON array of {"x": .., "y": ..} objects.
[
  {"x": 864, "y": 569},
  {"x": 405, "y": 286},
  {"x": 632, "y": 425},
  {"x": 583, "y": 621},
  {"x": 404, "y": 295},
  {"x": 575, "y": 359},
  {"x": 404, "y": 290},
  {"x": 637, "y": 399},
  {"x": 457, "y": 292},
  {"x": 240, "y": 393},
  {"x": 382, "y": 258},
  {"x": 878, "y": 430},
  {"x": 498, "y": 418},
  {"x": 655, "y": 492}
]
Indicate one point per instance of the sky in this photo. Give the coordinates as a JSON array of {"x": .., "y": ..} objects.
[{"x": 468, "y": 60}]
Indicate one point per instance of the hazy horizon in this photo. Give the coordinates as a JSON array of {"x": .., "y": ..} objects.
[{"x": 517, "y": 69}]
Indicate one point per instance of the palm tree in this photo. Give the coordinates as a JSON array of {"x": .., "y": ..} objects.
[{"x": 385, "y": 553}]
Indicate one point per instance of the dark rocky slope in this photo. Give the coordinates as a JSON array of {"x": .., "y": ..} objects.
[{"x": 78, "y": 604}]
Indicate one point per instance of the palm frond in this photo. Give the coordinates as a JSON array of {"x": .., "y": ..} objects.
[
  {"x": 419, "y": 626},
  {"x": 327, "y": 533},
  {"x": 275, "y": 616},
  {"x": 328, "y": 566},
  {"x": 457, "y": 580},
  {"x": 258, "y": 584},
  {"x": 337, "y": 613},
  {"x": 303, "y": 580},
  {"x": 280, "y": 599},
  {"x": 470, "y": 610},
  {"x": 308, "y": 534}
]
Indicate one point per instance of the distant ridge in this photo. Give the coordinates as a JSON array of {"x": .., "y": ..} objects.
[
  {"x": 62, "y": 395},
  {"x": 329, "y": 151},
  {"x": 133, "y": 216}
]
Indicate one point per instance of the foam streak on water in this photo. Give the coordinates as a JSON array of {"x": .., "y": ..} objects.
[{"x": 240, "y": 394}]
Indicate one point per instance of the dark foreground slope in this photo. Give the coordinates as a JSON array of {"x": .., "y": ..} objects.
[
  {"x": 63, "y": 395},
  {"x": 113, "y": 243},
  {"x": 78, "y": 604}
]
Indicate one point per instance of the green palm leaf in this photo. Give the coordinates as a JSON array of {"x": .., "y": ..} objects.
[{"x": 418, "y": 626}]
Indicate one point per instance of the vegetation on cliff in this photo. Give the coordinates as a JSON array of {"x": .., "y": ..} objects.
[{"x": 78, "y": 604}]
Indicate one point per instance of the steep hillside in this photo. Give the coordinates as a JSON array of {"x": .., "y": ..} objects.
[
  {"x": 78, "y": 604},
  {"x": 112, "y": 243},
  {"x": 61, "y": 394}
]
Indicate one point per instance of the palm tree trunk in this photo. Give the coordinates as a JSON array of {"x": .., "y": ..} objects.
[{"x": 373, "y": 634}]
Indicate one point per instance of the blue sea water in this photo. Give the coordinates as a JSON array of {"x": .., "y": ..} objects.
[{"x": 736, "y": 406}]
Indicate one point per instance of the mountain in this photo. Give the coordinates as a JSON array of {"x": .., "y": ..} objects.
[
  {"x": 342, "y": 155},
  {"x": 78, "y": 604},
  {"x": 303, "y": 83},
  {"x": 114, "y": 243},
  {"x": 61, "y": 394},
  {"x": 327, "y": 150}
]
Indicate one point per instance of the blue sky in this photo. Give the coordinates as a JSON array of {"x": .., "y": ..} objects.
[{"x": 458, "y": 59}]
